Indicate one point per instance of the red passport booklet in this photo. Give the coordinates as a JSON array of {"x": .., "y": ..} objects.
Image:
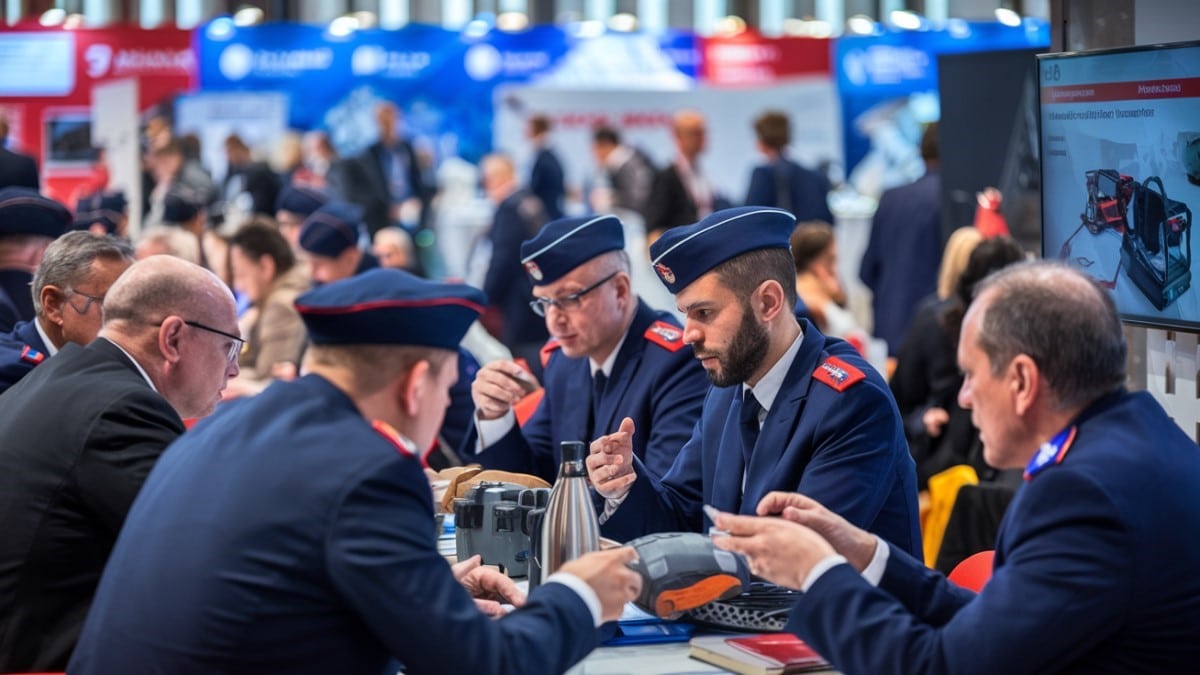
[{"x": 768, "y": 654}]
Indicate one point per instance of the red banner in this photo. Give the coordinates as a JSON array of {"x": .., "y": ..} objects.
[{"x": 751, "y": 59}]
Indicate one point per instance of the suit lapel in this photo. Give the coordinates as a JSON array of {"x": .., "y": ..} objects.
[
  {"x": 624, "y": 367},
  {"x": 727, "y": 478},
  {"x": 775, "y": 439}
]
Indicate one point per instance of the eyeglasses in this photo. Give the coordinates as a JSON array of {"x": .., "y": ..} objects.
[
  {"x": 234, "y": 349},
  {"x": 88, "y": 300},
  {"x": 566, "y": 303}
]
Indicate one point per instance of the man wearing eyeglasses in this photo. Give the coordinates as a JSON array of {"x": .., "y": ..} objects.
[
  {"x": 68, "y": 287},
  {"x": 28, "y": 223},
  {"x": 81, "y": 433},
  {"x": 610, "y": 356}
]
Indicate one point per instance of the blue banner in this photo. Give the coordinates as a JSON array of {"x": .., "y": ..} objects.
[{"x": 443, "y": 81}]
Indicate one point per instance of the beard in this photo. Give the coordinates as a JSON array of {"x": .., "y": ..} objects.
[{"x": 745, "y": 353}]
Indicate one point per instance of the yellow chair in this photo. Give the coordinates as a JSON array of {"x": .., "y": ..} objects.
[{"x": 943, "y": 490}]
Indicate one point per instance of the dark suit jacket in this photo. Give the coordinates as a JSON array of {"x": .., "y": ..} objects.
[
  {"x": 845, "y": 449},
  {"x": 286, "y": 535},
  {"x": 547, "y": 183},
  {"x": 506, "y": 284},
  {"x": 787, "y": 185},
  {"x": 900, "y": 264},
  {"x": 21, "y": 350},
  {"x": 366, "y": 184},
  {"x": 80, "y": 433},
  {"x": 656, "y": 380},
  {"x": 260, "y": 182},
  {"x": 17, "y": 170},
  {"x": 16, "y": 302},
  {"x": 1095, "y": 571},
  {"x": 670, "y": 204}
]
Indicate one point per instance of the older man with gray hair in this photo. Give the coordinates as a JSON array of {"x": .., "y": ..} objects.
[
  {"x": 68, "y": 289},
  {"x": 81, "y": 434},
  {"x": 1095, "y": 562}
]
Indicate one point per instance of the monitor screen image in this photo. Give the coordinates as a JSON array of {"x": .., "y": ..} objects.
[{"x": 1120, "y": 153}]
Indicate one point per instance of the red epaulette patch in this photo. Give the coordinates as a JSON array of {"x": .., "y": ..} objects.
[
  {"x": 548, "y": 351},
  {"x": 838, "y": 374},
  {"x": 389, "y": 432},
  {"x": 31, "y": 355},
  {"x": 665, "y": 335}
]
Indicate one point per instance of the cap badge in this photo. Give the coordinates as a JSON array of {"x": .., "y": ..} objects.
[
  {"x": 534, "y": 271},
  {"x": 665, "y": 272}
]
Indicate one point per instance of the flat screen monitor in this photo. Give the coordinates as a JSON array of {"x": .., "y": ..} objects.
[{"x": 1120, "y": 154}]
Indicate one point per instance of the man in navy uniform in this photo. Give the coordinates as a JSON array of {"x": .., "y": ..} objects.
[
  {"x": 790, "y": 409},
  {"x": 68, "y": 289},
  {"x": 610, "y": 356},
  {"x": 294, "y": 532},
  {"x": 293, "y": 206},
  {"x": 1095, "y": 562},
  {"x": 335, "y": 239},
  {"x": 28, "y": 223}
]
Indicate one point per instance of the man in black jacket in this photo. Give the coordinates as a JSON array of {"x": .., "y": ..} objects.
[{"x": 81, "y": 433}]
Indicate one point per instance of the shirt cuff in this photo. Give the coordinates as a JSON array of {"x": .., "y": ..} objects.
[
  {"x": 490, "y": 431},
  {"x": 823, "y": 565},
  {"x": 585, "y": 593},
  {"x": 874, "y": 570},
  {"x": 611, "y": 504}
]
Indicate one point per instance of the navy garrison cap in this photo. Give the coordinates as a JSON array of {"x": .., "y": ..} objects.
[
  {"x": 24, "y": 211},
  {"x": 390, "y": 307},
  {"x": 181, "y": 205},
  {"x": 564, "y": 244},
  {"x": 333, "y": 228},
  {"x": 301, "y": 201},
  {"x": 683, "y": 254},
  {"x": 106, "y": 207}
]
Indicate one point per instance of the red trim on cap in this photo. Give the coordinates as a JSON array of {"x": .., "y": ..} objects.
[
  {"x": 389, "y": 304},
  {"x": 838, "y": 374},
  {"x": 665, "y": 335}
]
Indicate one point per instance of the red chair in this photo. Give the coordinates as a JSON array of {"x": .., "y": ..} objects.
[{"x": 973, "y": 572}]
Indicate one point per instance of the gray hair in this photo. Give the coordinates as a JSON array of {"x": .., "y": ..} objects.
[
  {"x": 68, "y": 261},
  {"x": 1062, "y": 320},
  {"x": 173, "y": 240}
]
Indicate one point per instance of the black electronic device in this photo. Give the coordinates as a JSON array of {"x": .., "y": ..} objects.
[
  {"x": 491, "y": 520},
  {"x": 683, "y": 570}
]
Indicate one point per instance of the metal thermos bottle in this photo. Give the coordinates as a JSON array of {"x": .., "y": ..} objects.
[{"x": 569, "y": 527}]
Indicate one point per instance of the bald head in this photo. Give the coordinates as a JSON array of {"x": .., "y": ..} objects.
[
  {"x": 161, "y": 285},
  {"x": 1062, "y": 320},
  {"x": 690, "y": 133}
]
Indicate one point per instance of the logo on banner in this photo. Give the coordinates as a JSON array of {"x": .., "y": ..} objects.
[
  {"x": 483, "y": 62},
  {"x": 99, "y": 58},
  {"x": 238, "y": 61},
  {"x": 374, "y": 60}
]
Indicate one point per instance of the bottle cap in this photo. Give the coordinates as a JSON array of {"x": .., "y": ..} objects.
[{"x": 574, "y": 451}]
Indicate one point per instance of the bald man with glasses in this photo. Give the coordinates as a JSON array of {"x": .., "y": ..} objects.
[
  {"x": 81, "y": 433},
  {"x": 68, "y": 288},
  {"x": 610, "y": 356}
]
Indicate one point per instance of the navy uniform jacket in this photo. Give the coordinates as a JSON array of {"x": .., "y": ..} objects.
[
  {"x": 285, "y": 534},
  {"x": 843, "y": 448},
  {"x": 656, "y": 380},
  {"x": 20, "y": 351},
  {"x": 1095, "y": 570},
  {"x": 16, "y": 303},
  {"x": 546, "y": 182},
  {"x": 506, "y": 285},
  {"x": 900, "y": 263},
  {"x": 80, "y": 433},
  {"x": 787, "y": 185}
]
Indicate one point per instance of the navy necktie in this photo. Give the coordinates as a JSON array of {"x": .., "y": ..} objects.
[
  {"x": 599, "y": 381},
  {"x": 749, "y": 420}
]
